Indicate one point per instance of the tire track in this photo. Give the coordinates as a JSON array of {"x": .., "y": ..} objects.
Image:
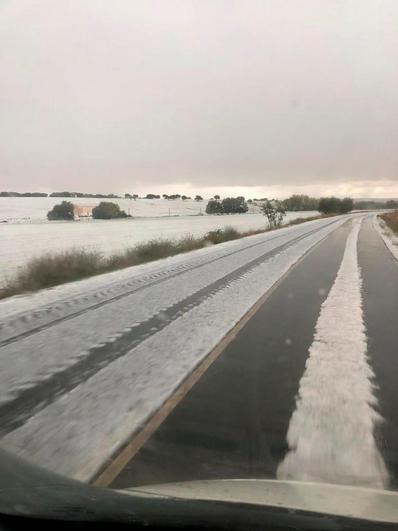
[
  {"x": 17, "y": 411},
  {"x": 138, "y": 286}
]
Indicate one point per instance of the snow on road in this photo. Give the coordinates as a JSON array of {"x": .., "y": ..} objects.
[
  {"x": 331, "y": 433},
  {"x": 120, "y": 360},
  {"x": 21, "y": 242},
  {"x": 388, "y": 236}
]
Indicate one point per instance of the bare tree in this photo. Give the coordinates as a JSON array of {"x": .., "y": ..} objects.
[{"x": 274, "y": 211}]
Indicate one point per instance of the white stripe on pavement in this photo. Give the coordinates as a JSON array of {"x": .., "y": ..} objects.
[{"x": 331, "y": 432}]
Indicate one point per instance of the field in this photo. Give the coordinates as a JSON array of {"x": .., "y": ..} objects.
[
  {"x": 29, "y": 234},
  {"x": 33, "y": 210}
]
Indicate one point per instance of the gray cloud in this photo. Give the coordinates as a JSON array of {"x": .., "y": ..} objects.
[{"x": 271, "y": 94}]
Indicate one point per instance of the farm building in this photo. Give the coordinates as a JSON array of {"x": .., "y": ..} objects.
[{"x": 82, "y": 211}]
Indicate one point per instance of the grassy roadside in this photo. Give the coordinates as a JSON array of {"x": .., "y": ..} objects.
[
  {"x": 50, "y": 270},
  {"x": 391, "y": 220}
]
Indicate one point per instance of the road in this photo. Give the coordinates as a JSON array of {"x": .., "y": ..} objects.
[{"x": 238, "y": 360}]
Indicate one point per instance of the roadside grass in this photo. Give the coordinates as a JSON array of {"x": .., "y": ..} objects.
[
  {"x": 391, "y": 220},
  {"x": 52, "y": 270}
]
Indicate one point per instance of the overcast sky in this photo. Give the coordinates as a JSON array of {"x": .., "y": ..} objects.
[{"x": 264, "y": 97}]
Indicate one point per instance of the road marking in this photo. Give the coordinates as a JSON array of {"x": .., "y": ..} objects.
[{"x": 331, "y": 432}]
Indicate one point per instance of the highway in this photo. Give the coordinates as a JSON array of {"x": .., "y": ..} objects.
[{"x": 270, "y": 356}]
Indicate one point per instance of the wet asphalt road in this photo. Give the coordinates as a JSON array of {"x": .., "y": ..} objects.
[
  {"x": 380, "y": 299},
  {"x": 233, "y": 422}
]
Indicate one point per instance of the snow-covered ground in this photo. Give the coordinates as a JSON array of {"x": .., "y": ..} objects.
[
  {"x": 124, "y": 342},
  {"x": 34, "y": 209},
  {"x": 389, "y": 237},
  {"x": 20, "y": 242}
]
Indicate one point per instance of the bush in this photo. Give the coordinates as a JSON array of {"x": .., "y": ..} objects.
[
  {"x": 108, "y": 210},
  {"x": 63, "y": 210},
  {"x": 229, "y": 205},
  {"x": 51, "y": 270},
  {"x": 274, "y": 212},
  {"x": 222, "y": 235},
  {"x": 234, "y": 205}
]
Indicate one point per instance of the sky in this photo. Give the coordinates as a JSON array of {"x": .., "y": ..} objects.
[{"x": 237, "y": 97}]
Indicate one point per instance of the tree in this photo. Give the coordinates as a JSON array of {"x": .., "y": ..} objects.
[
  {"x": 198, "y": 198},
  {"x": 217, "y": 197},
  {"x": 165, "y": 196},
  {"x": 234, "y": 205},
  {"x": 346, "y": 205},
  {"x": 300, "y": 202},
  {"x": 334, "y": 205},
  {"x": 62, "y": 194},
  {"x": 128, "y": 196},
  {"x": 108, "y": 210},
  {"x": 329, "y": 205},
  {"x": 213, "y": 207},
  {"x": 250, "y": 201},
  {"x": 63, "y": 210},
  {"x": 274, "y": 211},
  {"x": 392, "y": 204},
  {"x": 135, "y": 197},
  {"x": 152, "y": 196},
  {"x": 185, "y": 197}
]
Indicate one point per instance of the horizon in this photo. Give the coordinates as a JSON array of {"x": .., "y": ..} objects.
[{"x": 120, "y": 195}]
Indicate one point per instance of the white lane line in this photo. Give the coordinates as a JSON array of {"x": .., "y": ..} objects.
[{"x": 331, "y": 432}]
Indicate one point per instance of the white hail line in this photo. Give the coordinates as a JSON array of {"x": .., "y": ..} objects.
[{"x": 331, "y": 432}]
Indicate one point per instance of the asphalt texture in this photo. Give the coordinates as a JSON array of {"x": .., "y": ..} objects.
[{"x": 233, "y": 422}]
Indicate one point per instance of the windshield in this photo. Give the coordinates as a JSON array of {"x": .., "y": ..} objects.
[{"x": 199, "y": 243}]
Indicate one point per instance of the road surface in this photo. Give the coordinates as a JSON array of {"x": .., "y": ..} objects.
[{"x": 159, "y": 373}]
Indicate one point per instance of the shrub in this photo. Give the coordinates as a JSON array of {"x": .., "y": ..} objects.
[
  {"x": 63, "y": 210},
  {"x": 274, "y": 211},
  {"x": 222, "y": 235},
  {"x": 234, "y": 205},
  {"x": 51, "y": 270},
  {"x": 153, "y": 250},
  {"x": 108, "y": 210}
]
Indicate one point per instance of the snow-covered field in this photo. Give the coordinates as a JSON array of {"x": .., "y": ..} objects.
[
  {"x": 34, "y": 209},
  {"x": 20, "y": 242},
  {"x": 123, "y": 342}
]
